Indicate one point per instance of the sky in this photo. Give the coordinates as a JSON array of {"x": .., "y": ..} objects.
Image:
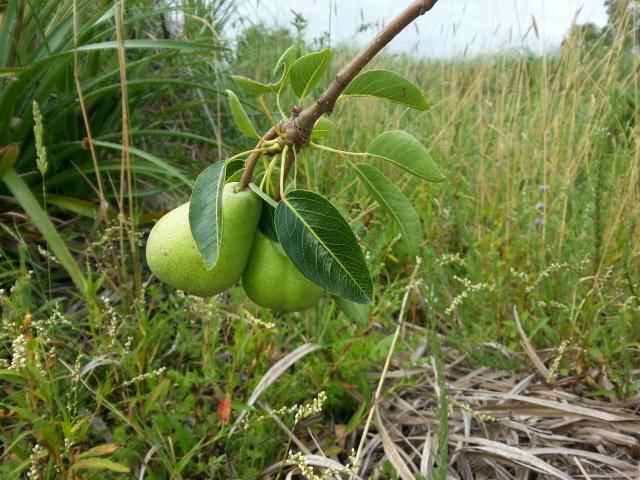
[{"x": 451, "y": 28}]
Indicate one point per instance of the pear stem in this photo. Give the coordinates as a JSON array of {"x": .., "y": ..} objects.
[
  {"x": 289, "y": 156},
  {"x": 252, "y": 161}
]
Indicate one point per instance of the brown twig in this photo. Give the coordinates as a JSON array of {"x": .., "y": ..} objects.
[
  {"x": 102, "y": 210},
  {"x": 297, "y": 130},
  {"x": 324, "y": 104}
]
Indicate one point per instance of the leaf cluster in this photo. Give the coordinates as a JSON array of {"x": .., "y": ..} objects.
[{"x": 313, "y": 233}]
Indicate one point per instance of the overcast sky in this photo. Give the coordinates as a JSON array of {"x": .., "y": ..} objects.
[{"x": 453, "y": 27}]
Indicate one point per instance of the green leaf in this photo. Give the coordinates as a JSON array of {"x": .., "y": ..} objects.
[
  {"x": 46, "y": 430},
  {"x": 356, "y": 312},
  {"x": 11, "y": 73},
  {"x": 162, "y": 133},
  {"x": 322, "y": 128},
  {"x": 284, "y": 64},
  {"x": 307, "y": 70},
  {"x": 205, "y": 212},
  {"x": 22, "y": 193},
  {"x": 320, "y": 243},
  {"x": 12, "y": 376},
  {"x": 251, "y": 86},
  {"x": 9, "y": 21},
  {"x": 406, "y": 152},
  {"x": 267, "y": 224},
  {"x": 75, "y": 205},
  {"x": 393, "y": 201},
  {"x": 235, "y": 176},
  {"x": 240, "y": 117},
  {"x": 386, "y": 84},
  {"x": 233, "y": 166},
  {"x": 96, "y": 463},
  {"x": 155, "y": 398},
  {"x": 22, "y": 413},
  {"x": 99, "y": 451}
]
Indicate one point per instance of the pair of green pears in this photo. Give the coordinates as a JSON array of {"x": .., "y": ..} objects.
[{"x": 268, "y": 276}]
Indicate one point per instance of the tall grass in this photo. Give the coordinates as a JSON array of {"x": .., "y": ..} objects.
[
  {"x": 111, "y": 83},
  {"x": 542, "y": 204},
  {"x": 512, "y": 131},
  {"x": 539, "y": 212}
]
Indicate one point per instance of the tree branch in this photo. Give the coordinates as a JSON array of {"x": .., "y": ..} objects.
[
  {"x": 305, "y": 121},
  {"x": 297, "y": 130}
]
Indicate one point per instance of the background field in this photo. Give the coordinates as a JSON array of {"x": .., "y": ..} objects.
[{"x": 539, "y": 214}]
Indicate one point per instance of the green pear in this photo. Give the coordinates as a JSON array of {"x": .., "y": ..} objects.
[
  {"x": 174, "y": 258},
  {"x": 272, "y": 281}
]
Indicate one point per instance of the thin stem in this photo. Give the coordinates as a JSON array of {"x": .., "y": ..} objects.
[
  {"x": 339, "y": 152},
  {"x": 251, "y": 162},
  {"x": 265, "y": 109},
  {"x": 376, "y": 397},
  {"x": 286, "y": 154},
  {"x": 271, "y": 148},
  {"x": 297, "y": 130},
  {"x": 263, "y": 195},
  {"x": 284, "y": 116},
  {"x": 126, "y": 220},
  {"x": 288, "y": 158},
  {"x": 295, "y": 168},
  {"x": 266, "y": 179},
  {"x": 102, "y": 211}
]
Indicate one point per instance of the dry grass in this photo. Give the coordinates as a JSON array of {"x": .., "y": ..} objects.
[{"x": 501, "y": 426}]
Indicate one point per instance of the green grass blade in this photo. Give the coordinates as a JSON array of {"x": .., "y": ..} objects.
[
  {"x": 175, "y": 44},
  {"x": 40, "y": 219},
  {"x": 165, "y": 133},
  {"x": 174, "y": 172}
]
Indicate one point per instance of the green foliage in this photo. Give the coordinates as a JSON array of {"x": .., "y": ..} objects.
[
  {"x": 394, "y": 202},
  {"x": 319, "y": 241},
  {"x": 307, "y": 71},
  {"x": 532, "y": 151},
  {"x": 356, "y": 312},
  {"x": 40, "y": 219},
  {"x": 388, "y": 85},
  {"x": 259, "y": 48},
  {"x": 402, "y": 149},
  {"x": 205, "y": 212},
  {"x": 312, "y": 232},
  {"x": 322, "y": 128},
  {"x": 72, "y": 94},
  {"x": 240, "y": 117},
  {"x": 251, "y": 86}
]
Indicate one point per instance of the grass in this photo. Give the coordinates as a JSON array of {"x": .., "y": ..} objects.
[{"x": 539, "y": 212}]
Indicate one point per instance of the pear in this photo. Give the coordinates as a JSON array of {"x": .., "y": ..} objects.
[
  {"x": 272, "y": 281},
  {"x": 174, "y": 258}
]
